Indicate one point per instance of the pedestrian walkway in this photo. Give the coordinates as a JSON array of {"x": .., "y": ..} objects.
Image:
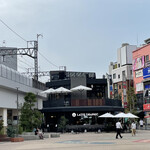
[{"x": 85, "y": 141}]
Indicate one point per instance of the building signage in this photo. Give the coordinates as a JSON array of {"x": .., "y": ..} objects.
[
  {"x": 138, "y": 63},
  {"x": 146, "y": 107},
  {"x": 125, "y": 104},
  {"x": 87, "y": 114},
  {"x": 139, "y": 87},
  {"x": 146, "y": 73},
  {"x": 139, "y": 73}
]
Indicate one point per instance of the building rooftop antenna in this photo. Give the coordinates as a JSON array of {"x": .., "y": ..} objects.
[{"x": 4, "y": 43}]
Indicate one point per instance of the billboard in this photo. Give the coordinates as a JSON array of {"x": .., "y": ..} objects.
[
  {"x": 139, "y": 87},
  {"x": 146, "y": 72},
  {"x": 138, "y": 63},
  {"x": 139, "y": 73},
  {"x": 146, "y": 106}
]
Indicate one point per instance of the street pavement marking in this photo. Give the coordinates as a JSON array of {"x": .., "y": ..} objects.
[
  {"x": 83, "y": 142},
  {"x": 142, "y": 141}
]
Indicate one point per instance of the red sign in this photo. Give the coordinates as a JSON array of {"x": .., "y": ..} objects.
[
  {"x": 125, "y": 104},
  {"x": 124, "y": 87},
  {"x": 146, "y": 106},
  {"x": 147, "y": 116}
]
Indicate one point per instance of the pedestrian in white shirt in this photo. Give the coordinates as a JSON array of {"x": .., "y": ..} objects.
[
  {"x": 141, "y": 123},
  {"x": 118, "y": 129},
  {"x": 133, "y": 128}
]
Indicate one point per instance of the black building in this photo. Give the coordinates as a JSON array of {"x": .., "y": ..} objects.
[{"x": 82, "y": 104}]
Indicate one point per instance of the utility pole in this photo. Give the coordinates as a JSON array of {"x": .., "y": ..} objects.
[
  {"x": 36, "y": 57},
  {"x": 31, "y": 51},
  {"x": 17, "y": 113}
]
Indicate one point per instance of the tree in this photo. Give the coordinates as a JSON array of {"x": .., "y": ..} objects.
[
  {"x": 120, "y": 96},
  {"x": 30, "y": 117},
  {"x": 62, "y": 123},
  {"x": 131, "y": 99},
  {"x": 1, "y": 126}
]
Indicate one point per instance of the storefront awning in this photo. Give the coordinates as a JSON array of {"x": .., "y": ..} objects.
[{"x": 83, "y": 109}]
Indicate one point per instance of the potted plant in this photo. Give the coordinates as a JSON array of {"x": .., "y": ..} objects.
[
  {"x": 2, "y": 136},
  {"x": 11, "y": 132}
]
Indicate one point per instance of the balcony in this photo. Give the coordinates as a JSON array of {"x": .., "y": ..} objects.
[
  {"x": 95, "y": 102},
  {"x": 81, "y": 102}
]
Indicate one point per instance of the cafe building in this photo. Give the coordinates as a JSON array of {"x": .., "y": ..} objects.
[{"x": 80, "y": 107}]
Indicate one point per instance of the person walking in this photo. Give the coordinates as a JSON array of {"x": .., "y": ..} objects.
[
  {"x": 141, "y": 123},
  {"x": 133, "y": 128},
  {"x": 118, "y": 129}
]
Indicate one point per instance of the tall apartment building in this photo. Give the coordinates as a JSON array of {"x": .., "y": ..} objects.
[
  {"x": 121, "y": 72},
  {"x": 141, "y": 77}
]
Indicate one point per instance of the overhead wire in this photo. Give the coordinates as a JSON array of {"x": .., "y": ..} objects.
[
  {"x": 25, "y": 62},
  {"x": 12, "y": 30},
  {"x": 26, "y": 41},
  {"x": 48, "y": 60}
]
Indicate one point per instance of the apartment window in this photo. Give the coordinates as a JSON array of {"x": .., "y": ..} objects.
[
  {"x": 147, "y": 58},
  {"x": 118, "y": 65},
  {"x": 123, "y": 74},
  {"x": 130, "y": 72},
  {"x": 118, "y": 76},
  {"x": 115, "y": 66},
  {"x": 114, "y": 76},
  {"x": 119, "y": 86},
  {"x": 115, "y": 86}
]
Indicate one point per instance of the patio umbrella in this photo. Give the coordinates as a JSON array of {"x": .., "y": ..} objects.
[
  {"x": 51, "y": 90},
  {"x": 61, "y": 90},
  {"x": 130, "y": 115},
  {"x": 121, "y": 115},
  {"x": 81, "y": 88},
  {"x": 106, "y": 115}
]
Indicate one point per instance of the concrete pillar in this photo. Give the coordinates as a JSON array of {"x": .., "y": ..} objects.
[{"x": 4, "y": 114}]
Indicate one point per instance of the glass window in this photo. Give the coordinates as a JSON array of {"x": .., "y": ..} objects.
[
  {"x": 147, "y": 58},
  {"x": 118, "y": 76},
  {"x": 119, "y": 86},
  {"x": 114, "y": 76}
]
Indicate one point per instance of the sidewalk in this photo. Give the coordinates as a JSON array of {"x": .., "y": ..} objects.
[{"x": 85, "y": 141}]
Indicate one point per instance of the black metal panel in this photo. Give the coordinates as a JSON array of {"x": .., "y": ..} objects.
[
  {"x": 83, "y": 109},
  {"x": 113, "y": 102},
  {"x": 97, "y": 81},
  {"x": 63, "y": 83}
]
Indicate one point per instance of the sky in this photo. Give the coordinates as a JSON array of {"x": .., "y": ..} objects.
[{"x": 82, "y": 35}]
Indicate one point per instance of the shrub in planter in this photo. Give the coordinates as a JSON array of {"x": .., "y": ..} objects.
[
  {"x": 20, "y": 130},
  {"x": 1, "y": 127},
  {"x": 11, "y": 131},
  {"x": 62, "y": 124}
]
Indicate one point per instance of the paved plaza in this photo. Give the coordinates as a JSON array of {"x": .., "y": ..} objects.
[{"x": 85, "y": 141}]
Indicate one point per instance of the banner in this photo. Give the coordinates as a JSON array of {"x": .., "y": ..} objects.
[
  {"x": 146, "y": 73},
  {"x": 138, "y": 63},
  {"x": 139, "y": 73},
  {"x": 146, "y": 106}
]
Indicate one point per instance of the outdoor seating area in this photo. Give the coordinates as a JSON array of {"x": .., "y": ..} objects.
[{"x": 84, "y": 128}]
